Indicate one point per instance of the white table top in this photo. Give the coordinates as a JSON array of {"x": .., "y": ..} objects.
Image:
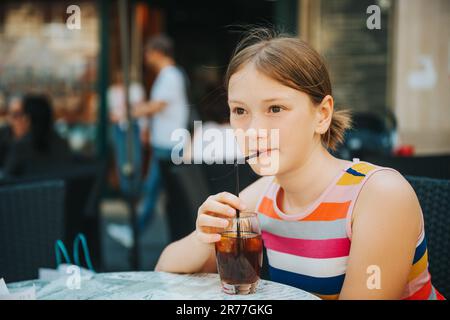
[{"x": 156, "y": 286}]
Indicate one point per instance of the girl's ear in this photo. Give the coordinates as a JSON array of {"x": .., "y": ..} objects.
[{"x": 324, "y": 114}]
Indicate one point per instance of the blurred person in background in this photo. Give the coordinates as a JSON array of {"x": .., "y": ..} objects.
[
  {"x": 120, "y": 127},
  {"x": 35, "y": 144},
  {"x": 167, "y": 110}
]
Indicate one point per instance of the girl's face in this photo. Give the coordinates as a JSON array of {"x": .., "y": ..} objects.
[{"x": 258, "y": 102}]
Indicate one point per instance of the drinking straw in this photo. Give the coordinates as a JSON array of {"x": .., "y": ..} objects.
[{"x": 237, "y": 189}]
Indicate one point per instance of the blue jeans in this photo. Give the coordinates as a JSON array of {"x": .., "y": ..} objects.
[
  {"x": 128, "y": 186},
  {"x": 152, "y": 185}
]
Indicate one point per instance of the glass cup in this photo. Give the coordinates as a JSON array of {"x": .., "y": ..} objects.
[{"x": 239, "y": 254}]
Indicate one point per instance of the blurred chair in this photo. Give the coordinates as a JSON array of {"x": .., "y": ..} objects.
[
  {"x": 193, "y": 182},
  {"x": 187, "y": 189},
  {"x": 31, "y": 220},
  {"x": 434, "y": 198},
  {"x": 84, "y": 180},
  {"x": 181, "y": 199},
  {"x": 437, "y": 167},
  {"x": 221, "y": 177}
]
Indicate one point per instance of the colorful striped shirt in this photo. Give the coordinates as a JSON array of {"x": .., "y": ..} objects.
[{"x": 310, "y": 250}]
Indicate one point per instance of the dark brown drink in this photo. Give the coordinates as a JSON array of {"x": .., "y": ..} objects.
[{"x": 239, "y": 261}]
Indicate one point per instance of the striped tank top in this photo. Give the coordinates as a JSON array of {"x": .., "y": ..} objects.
[{"x": 310, "y": 250}]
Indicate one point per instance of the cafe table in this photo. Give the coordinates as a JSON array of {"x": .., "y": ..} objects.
[{"x": 153, "y": 286}]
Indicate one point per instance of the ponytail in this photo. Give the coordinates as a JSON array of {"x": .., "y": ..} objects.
[{"x": 340, "y": 122}]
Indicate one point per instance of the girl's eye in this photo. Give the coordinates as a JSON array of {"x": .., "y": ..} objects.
[
  {"x": 275, "y": 109},
  {"x": 239, "y": 111}
]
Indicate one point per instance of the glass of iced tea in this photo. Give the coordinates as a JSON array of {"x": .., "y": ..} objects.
[{"x": 239, "y": 254}]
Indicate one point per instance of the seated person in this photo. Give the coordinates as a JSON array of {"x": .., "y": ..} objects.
[
  {"x": 36, "y": 146},
  {"x": 330, "y": 226}
]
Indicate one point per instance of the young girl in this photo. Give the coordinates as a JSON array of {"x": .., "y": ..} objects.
[{"x": 335, "y": 228}]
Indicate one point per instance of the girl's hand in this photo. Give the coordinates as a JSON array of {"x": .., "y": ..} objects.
[{"x": 213, "y": 213}]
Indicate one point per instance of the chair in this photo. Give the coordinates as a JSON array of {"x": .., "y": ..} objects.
[
  {"x": 434, "y": 198},
  {"x": 193, "y": 181},
  {"x": 436, "y": 166},
  {"x": 31, "y": 220},
  {"x": 179, "y": 205},
  {"x": 221, "y": 177},
  {"x": 83, "y": 180}
]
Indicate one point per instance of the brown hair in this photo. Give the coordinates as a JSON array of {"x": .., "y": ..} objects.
[{"x": 294, "y": 63}]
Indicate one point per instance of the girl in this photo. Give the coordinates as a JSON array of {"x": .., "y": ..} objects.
[{"x": 335, "y": 228}]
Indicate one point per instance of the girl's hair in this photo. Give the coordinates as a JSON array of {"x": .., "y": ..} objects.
[{"x": 293, "y": 63}]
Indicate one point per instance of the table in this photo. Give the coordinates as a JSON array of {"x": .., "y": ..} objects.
[{"x": 155, "y": 286}]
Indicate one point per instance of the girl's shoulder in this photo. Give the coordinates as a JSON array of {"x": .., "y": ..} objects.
[
  {"x": 253, "y": 192},
  {"x": 387, "y": 196},
  {"x": 386, "y": 183}
]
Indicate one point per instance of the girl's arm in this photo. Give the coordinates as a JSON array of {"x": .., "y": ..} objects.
[
  {"x": 188, "y": 255},
  {"x": 386, "y": 227}
]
